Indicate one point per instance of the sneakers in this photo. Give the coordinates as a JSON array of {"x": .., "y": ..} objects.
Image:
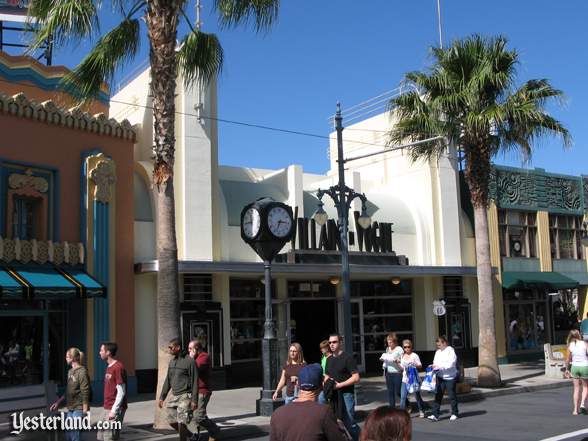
[
  {"x": 583, "y": 410},
  {"x": 433, "y": 418},
  {"x": 421, "y": 414},
  {"x": 452, "y": 417}
]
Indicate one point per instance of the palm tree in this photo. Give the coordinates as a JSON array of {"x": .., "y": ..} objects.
[
  {"x": 198, "y": 58},
  {"x": 468, "y": 96}
]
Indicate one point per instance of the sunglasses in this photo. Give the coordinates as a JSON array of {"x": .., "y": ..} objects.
[
  {"x": 407, "y": 347},
  {"x": 333, "y": 342},
  {"x": 171, "y": 348}
]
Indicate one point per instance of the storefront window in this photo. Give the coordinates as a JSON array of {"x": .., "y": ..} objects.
[
  {"x": 247, "y": 317},
  {"x": 387, "y": 307},
  {"x": 565, "y": 235},
  {"x": 518, "y": 233},
  {"x": 526, "y": 320},
  {"x": 21, "y": 350}
]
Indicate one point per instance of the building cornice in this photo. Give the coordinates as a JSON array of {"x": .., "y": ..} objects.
[
  {"x": 310, "y": 269},
  {"x": 21, "y": 107}
]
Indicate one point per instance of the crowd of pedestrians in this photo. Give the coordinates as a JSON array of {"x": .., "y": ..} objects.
[{"x": 320, "y": 398}]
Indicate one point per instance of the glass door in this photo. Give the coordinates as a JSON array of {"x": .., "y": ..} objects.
[{"x": 525, "y": 326}]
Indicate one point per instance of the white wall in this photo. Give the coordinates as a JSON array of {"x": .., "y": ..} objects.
[{"x": 146, "y": 321}]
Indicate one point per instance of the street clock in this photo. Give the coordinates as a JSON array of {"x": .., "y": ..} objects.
[{"x": 266, "y": 225}]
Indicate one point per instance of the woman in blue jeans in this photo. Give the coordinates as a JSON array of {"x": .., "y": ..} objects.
[
  {"x": 445, "y": 366},
  {"x": 77, "y": 393},
  {"x": 392, "y": 368},
  {"x": 410, "y": 359}
]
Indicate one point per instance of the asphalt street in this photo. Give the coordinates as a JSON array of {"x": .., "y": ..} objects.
[{"x": 543, "y": 415}]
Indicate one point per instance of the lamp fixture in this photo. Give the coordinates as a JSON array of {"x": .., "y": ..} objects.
[
  {"x": 320, "y": 216},
  {"x": 364, "y": 220},
  {"x": 334, "y": 280},
  {"x": 395, "y": 280}
]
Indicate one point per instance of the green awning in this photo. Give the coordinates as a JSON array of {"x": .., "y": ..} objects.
[
  {"x": 47, "y": 282},
  {"x": 541, "y": 280}
]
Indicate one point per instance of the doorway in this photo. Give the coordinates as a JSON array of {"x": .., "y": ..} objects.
[{"x": 314, "y": 320}]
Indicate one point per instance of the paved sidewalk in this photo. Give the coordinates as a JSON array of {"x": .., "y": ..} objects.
[{"x": 234, "y": 409}]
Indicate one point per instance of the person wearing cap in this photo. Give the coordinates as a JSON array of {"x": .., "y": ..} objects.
[{"x": 318, "y": 420}]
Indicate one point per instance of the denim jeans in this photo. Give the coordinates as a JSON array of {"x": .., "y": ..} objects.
[
  {"x": 321, "y": 398},
  {"x": 443, "y": 385},
  {"x": 288, "y": 399},
  {"x": 404, "y": 398},
  {"x": 393, "y": 383},
  {"x": 349, "y": 417},
  {"x": 73, "y": 435}
]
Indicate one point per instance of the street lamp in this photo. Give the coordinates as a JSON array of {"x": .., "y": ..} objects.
[{"x": 342, "y": 196}]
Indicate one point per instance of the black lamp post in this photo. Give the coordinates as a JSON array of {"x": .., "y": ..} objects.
[
  {"x": 342, "y": 196},
  {"x": 267, "y": 225}
]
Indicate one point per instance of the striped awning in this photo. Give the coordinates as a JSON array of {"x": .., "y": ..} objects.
[{"x": 47, "y": 282}]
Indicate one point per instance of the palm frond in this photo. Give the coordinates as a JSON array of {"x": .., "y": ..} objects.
[
  {"x": 232, "y": 13},
  {"x": 117, "y": 46},
  {"x": 62, "y": 21},
  {"x": 200, "y": 57}
]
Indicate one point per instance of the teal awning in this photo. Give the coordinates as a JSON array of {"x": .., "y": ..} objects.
[
  {"x": 541, "y": 280},
  {"x": 47, "y": 282}
]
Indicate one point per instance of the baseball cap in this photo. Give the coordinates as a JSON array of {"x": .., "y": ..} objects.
[{"x": 310, "y": 377}]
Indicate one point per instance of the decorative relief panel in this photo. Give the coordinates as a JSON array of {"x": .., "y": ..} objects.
[
  {"x": 25, "y": 251},
  {"x": 103, "y": 176},
  {"x": 585, "y": 185},
  {"x": 17, "y": 181},
  {"x": 536, "y": 190},
  {"x": 562, "y": 193}
]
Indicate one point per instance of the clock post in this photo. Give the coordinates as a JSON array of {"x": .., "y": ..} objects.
[{"x": 267, "y": 225}]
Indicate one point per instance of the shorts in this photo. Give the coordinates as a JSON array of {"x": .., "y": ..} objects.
[
  {"x": 580, "y": 372},
  {"x": 179, "y": 410}
]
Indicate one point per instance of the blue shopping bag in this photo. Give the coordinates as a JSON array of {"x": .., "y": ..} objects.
[
  {"x": 429, "y": 383},
  {"x": 414, "y": 383}
]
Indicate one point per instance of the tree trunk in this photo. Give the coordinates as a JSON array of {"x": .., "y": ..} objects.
[
  {"x": 162, "y": 18},
  {"x": 488, "y": 372}
]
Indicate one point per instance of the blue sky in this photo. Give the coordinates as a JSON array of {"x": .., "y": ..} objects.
[{"x": 321, "y": 52}]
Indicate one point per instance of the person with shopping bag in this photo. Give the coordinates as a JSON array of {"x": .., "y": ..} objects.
[
  {"x": 411, "y": 363},
  {"x": 445, "y": 367}
]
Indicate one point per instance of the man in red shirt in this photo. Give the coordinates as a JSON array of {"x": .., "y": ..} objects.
[
  {"x": 115, "y": 390},
  {"x": 202, "y": 360}
]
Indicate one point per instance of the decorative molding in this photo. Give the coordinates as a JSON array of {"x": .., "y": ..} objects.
[
  {"x": 20, "y": 106},
  {"x": 41, "y": 252},
  {"x": 27, "y": 180},
  {"x": 536, "y": 190},
  {"x": 103, "y": 176},
  {"x": 585, "y": 188}
]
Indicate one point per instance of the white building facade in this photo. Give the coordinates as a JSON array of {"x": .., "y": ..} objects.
[{"x": 420, "y": 249}]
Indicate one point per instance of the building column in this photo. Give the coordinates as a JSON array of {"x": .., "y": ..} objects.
[
  {"x": 98, "y": 232},
  {"x": 221, "y": 293},
  {"x": 543, "y": 241}
]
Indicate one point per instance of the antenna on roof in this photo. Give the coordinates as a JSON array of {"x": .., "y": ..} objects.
[
  {"x": 198, "y": 9},
  {"x": 439, "y": 23}
]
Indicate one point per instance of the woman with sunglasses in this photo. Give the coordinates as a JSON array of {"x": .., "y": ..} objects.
[
  {"x": 409, "y": 359},
  {"x": 290, "y": 373}
]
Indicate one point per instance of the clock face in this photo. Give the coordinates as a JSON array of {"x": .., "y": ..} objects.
[
  {"x": 517, "y": 246},
  {"x": 251, "y": 223},
  {"x": 279, "y": 222}
]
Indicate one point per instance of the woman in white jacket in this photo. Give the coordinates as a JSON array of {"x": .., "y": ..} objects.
[{"x": 445, "y": 365}]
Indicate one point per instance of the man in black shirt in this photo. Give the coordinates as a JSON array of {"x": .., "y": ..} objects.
[
  {"x": 342, "y": 368},
  {"x": 305, "y": 419}
]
